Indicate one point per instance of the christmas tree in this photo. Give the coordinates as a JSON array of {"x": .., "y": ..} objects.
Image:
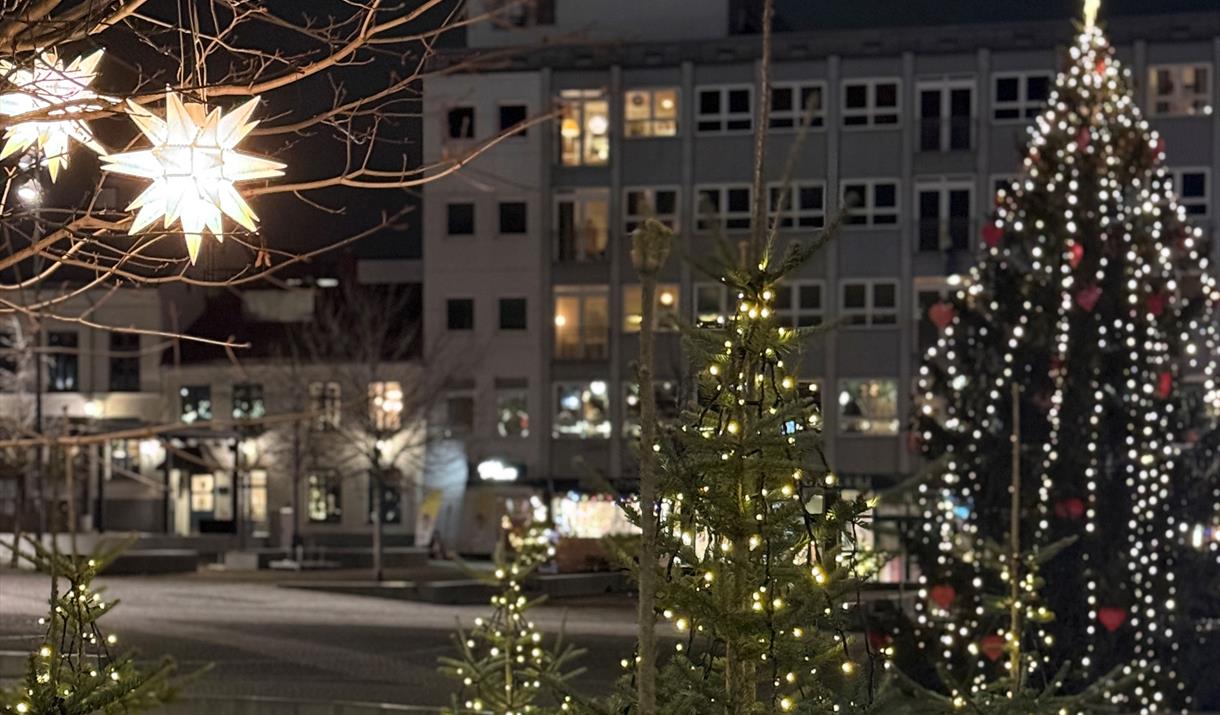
[
  {"x": 1096, "y": 299},
  {"x": 78, "y": 669},
  {"x": 503, "y": 664},
  {"x": 760, "y": 551}
]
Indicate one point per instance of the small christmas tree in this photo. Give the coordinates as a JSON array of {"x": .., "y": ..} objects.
[
  {"x": 78, "y": 670},
  {"x": 761, "y": 554},
  {"x": 504, "y": 666}
]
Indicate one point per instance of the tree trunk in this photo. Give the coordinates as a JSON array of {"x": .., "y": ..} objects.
[
  {"x": 650, "y": 249},
  {"x": 377, "y": 525}
]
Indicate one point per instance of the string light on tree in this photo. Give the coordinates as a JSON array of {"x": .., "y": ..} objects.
[
  {"x": 61, "y": 91},
  {"x": 194, "y": 165}
]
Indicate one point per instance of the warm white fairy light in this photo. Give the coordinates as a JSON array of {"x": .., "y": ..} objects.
[
  {"x": 193, "y": 164},
  {"x": 59, "y": 90}
]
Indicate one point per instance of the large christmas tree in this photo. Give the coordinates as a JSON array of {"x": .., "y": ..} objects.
[{"x": 1096, "y": 298}]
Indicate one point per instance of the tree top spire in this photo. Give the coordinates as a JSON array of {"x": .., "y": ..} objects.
[{"x": 1090, "y": 13}]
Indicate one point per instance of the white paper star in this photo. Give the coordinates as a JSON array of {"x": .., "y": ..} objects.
[
  {"x": 193, "y": 165},
  {"x": 49, "y": 83}
]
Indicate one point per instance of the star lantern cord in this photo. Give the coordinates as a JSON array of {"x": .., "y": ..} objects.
[
  {"x": 48, "y": 83},
  {"x": 193, "y": 165}
]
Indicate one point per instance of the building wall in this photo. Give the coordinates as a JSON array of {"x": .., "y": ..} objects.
[{"x": 833, "y": 154}]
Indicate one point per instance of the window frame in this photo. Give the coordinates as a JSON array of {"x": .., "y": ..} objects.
[
  {"x": 63, "y": 358},
  {"x": 945, "y": 116},
  {"x": 723, "y": 117},
  {"x": 580, "y": 198},
  {"x": 796, "y": 214},
  {"x": 704, "y": 222},
  {"x": 943, "y": 185},
  {"x": 449, "y": 126},
  {"x": 382, "y": 420},
  {"x": 724, "y": 304},
  {"x": 581, "y": 98},
  {"x": 794, "y": 312},
  {"x": 842, "y": 420},
  {"x": 525, "y": 224},
  {"x": 325, "y": 404},
  {"x": 944, "y": 288},
  {"x": 254, "y": 394},
  {"x": 1026, "y": 108},
  {"x": 500, "y": 392},
  {"x": 450, "y": 303},
  {"x": 116, "y": 360},
  {"x": 1179, "y": 96},
  {"x": 583, "y": 294},
  {"x": 869, "y": 207},
  {"x": 205, "y": 393},
  {"x": 326, "y": 481},
  {"x": 1175, "y": 175},
  {"x": 474, "y": 219},
  {"x": 524, "y": 314},
  {"x": 869, "y": 311},
  {"x": 870, "y": 111},
  {"x": 652, "y": 120},
  {"x": 460, "y": 393},
  {"x": 669, "y": 409},
  {"x": 817, "y": 121},
  {"x": 557, "y": 388},
  {"x": 661, "y": 325},
  {"x": 670, "y": 220},
  {"x": 525, "y": 115}
]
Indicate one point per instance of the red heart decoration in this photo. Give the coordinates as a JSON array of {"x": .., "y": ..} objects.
[
  {"x": 1100, "y": 67},
  {"x": 992, "y": 647},
  {"x": 992, "y": 235},
  {"x": 879, "y": 640},
  {"x": 1082, "y": 137},
  {"x": 1088, "y": 296},
  {"x": 1070, "y": 508},
  {"x": 941, "y": 314},
  {"x": 1156, "y": 303},
  {"x": 943, "y": 595},
  {"x": 1164, "y": 385},
  {"x": 1112, "y": 617},
  {"x": 1077, "y": 254}
]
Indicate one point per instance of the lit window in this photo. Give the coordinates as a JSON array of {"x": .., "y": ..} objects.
[
  {"x": 325, "y": 498},
  {"x": 790, "y": 101},
  {"x": 385, "y": 405},
  {"x": 582, "y": 322},
  {"x": 804, "y": 204},
  {"x": 870, "y": 103},
  {"x": 870, "y": 302},
  {"x": 871, "y": 202},
  {"x": 125, "y": 456},
  {"x": 810, "y": 390},
  {"x": 724, "y": 109},
  {"x": 944, "y": 215},
  {"x": 868, "y": 407},
  {"x": 798, "y": 304},
  {"x": 711, "y": 304},
  {"x": 1180, "y": 90},
  {"x": 203, "y": 492},
  {"x": 248, "y": 401},
  {"x": 582, "y": 224},
  {"x": 665, "y": 393},
  {"x": 584, "y": 127},
  {"x": 196, "y": 402},
  {"x": 1191, "y": 186},
  {"x": 325, "y": 404},
  {"x": 582, "y": 410},
  {"x": 460, "y": 122},
  {"x": 666, "y": 310},
  {"x": 726, "y": 207},
  {"x": 642, "y": 203},
  {"x": 512, "y": 409},
  {"x": 1019, "y": 96},
  {"x": 63, "y": 362},
  {"x": 650, "y": 112}
]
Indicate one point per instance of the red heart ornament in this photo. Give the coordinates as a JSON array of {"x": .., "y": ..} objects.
[
  {"x": 1088, "y": 296},
  {"x": 941, "y": 314},
  {"x": 1100, "y": 67},
  {"x": 1112, "y": 617},
  {"x": 1077, "y": 254},
  {"x": 992, "y": 647},
  {"x": 1082, "y": 137},
  {"x": 1156, "y": 303},
  {"x": 992, "y": 235},
  {"x": 943, "y": 595},
  {"x": 1070, "y": 508},
  {"x": 1164, "y": 385}
]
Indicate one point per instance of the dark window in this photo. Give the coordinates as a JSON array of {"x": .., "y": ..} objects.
[
  {"x": 512, "y": 314},
  {"x": 248, "y": 401},
  {"x": 1038, "y": 88},
  {"x": 512, "y": 217},
  {"x": 510, "y": 116},
  {"x": 124, "y": 362},
  {"x": 460, "y": 313},
  {"x": 461, "y": 219},
  {"x": 460, "y": 413},
  {"x": 64, "y": 361},
  {"x": 461, "y": 123},
  {"x": 1007, "y": 89},
  {"x": 196, "y": 402},
  {"x": 857, "y": 96},
  {"x": 390, "y": 498},
  {"x": 709, "y": 101}
]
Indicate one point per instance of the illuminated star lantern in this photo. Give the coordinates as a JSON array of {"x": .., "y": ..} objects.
[
  {"x": 48, "y": 83},
  {"x": 193, "y": 164}
]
